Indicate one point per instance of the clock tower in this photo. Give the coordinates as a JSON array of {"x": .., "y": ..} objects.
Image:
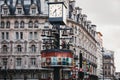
[
  {"x": 57, "y": 57},
  {"x": 57, "y": 13}
]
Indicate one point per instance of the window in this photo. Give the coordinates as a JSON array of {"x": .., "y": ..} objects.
[
  {"x": 8, "y": 2},
  {"x": 8, "y": 24},
  {"x": 19, "y": 1},
  {"x": 18, "y": 62},
  {"x": 4, "y": 61},
  {"x": 5, "y": 35},
  {"x": 16, "y": 24},
  {"x": 71, "y": 32},
  {"x": 33, "y": 61},
  {"x": 35, "y": 35},
  {"x": 2, "y": 24},
  {"x": 22, "y": 24},
  {"x": 108, "y": 72},
  {"x": 105, "y": 73},
  {"x": 5, "y": 49},
  {"x": 19, "y": 10},
  {"x": 5, "y": 11},
  {"x": 27, "y": 2},
  {"x": 33, "y": 75},
  {"x": 33, "y": 11},
  {"x": 19, "y": 48},
  {"x": 30, "y": 24},
  {"x": 19, "y": 35},
  {"x": 30, "y": 35},
  {"x": 36, "y": 24},
  {"x": 33, "y": 48}
]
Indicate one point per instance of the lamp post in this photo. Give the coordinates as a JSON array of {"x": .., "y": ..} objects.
[{"x": 103, "y": 60}]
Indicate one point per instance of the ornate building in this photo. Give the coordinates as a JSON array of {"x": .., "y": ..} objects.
[
  {"x": 99, "y": 55},
  {"x": 109, "y": 65},
  {"x": 21, "y": 42}
]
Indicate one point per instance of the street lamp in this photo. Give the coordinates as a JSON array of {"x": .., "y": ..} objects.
[{"x": 103, "y": 60}]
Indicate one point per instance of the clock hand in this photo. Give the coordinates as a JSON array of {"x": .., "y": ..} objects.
[{"x": 54, "y": 12}]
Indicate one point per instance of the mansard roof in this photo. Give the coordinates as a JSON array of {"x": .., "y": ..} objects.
[{"x": 26, "y": 6}]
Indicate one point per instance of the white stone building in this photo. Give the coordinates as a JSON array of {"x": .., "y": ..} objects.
[{"x": 22, "y": 24}]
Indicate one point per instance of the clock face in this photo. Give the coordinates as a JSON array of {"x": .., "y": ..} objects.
[{"x": 55, "y": 10}]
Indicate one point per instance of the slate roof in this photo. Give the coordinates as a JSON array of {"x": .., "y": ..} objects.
[{"x": 26, "y": 7}]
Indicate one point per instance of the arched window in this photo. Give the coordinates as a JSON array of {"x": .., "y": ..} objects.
[
  {"x": 2, "y": 24},
  {"x": 5, "y": 49},
  {"x": 30, "y": 24},
  {"x": 22, "y": 24},
  {"x": 19, "y": 48},
  {"x": 36, "y": 24},
  {"x": 8, "y": 24},
  {"x": 16, "y": 24},
  {"x": 33, "y": 48}
]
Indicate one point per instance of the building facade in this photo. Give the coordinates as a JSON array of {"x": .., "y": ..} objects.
[
  {"x": 21, "y": 41},
  {"x": 99, "y": 56},
  {"x": 117, "y": 75},
  {"x": 109, "y": 66}
]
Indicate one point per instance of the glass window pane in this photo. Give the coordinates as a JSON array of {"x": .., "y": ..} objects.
[
  {"x": 17, "y": 35},
  {"x": 30, "y": 35},
  {"x": 35, "y": 35}
]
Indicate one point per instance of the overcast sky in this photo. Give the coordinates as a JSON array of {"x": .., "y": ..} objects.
[{"x": 106, "y": 15}]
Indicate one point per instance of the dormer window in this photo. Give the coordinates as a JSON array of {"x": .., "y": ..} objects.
[
  {"x": 5, "y": 11},
  {"x": 19, "y": 10},
  {"x": 19, "y": 1},
  {"x": 34, "y": 1},
  {"x": 8, "y": 2},
  {"x": 33, "y": 10},
  {"x": 27, "y": 2}
]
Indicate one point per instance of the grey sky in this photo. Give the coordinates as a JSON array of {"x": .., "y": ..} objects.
[{"x": 106, "y": 15}]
